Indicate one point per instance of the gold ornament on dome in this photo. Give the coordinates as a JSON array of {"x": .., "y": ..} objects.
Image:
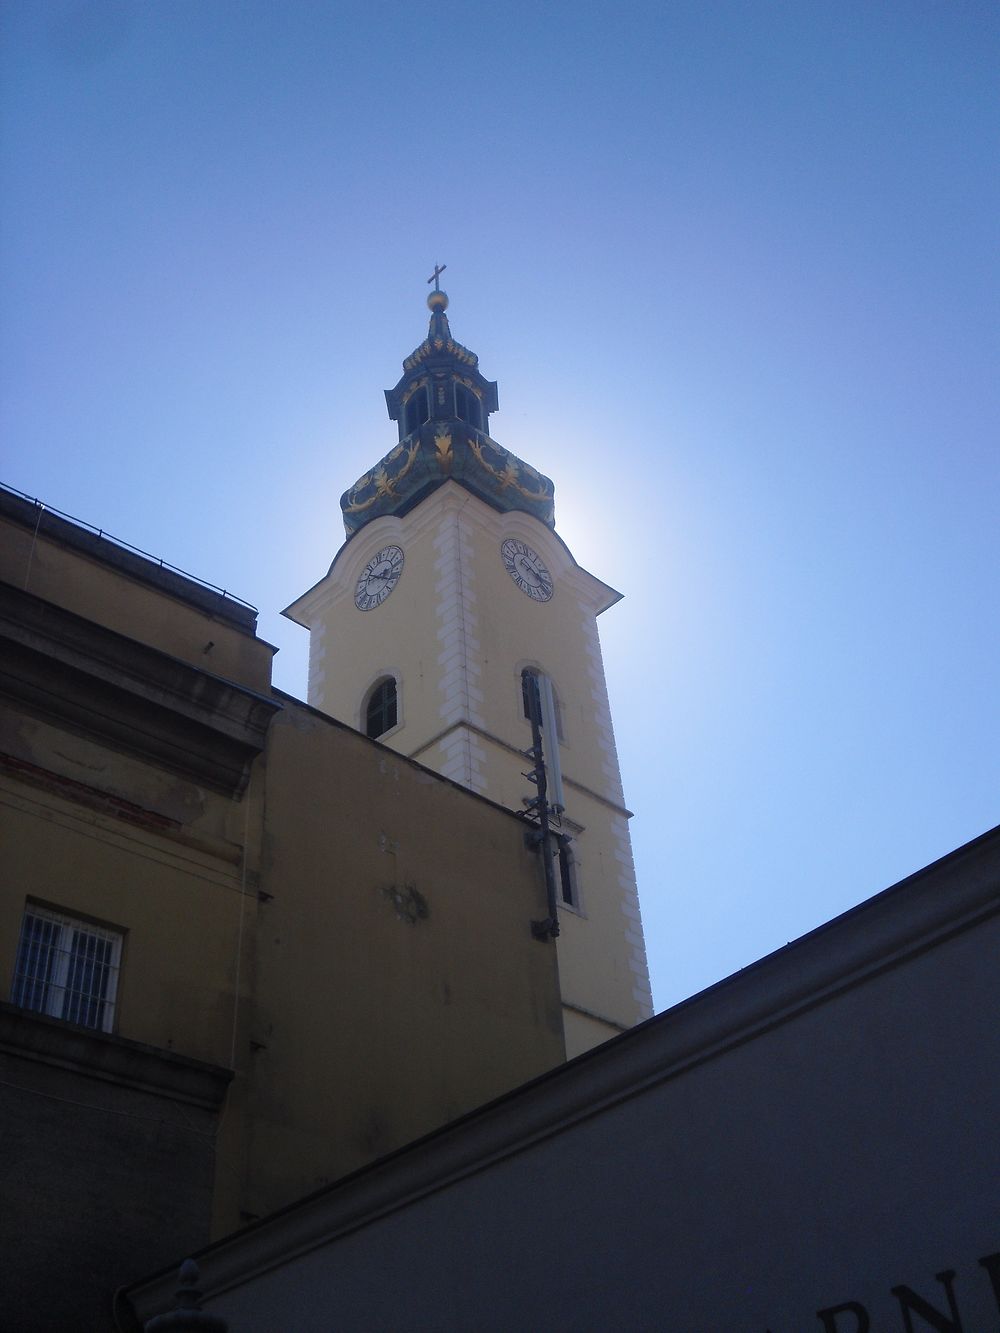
[
  {"x": 442, "y": 447},
  {"x": 507, "y": 477},
  {"x": 385, "y": 483},
  {"x": 427, "y": 348}
]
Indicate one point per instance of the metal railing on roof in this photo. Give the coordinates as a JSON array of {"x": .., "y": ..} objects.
[{"x": 127, "y": 546}]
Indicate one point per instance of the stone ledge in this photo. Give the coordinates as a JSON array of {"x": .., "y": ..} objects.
[
  {"x": 137, "y": 698},
  {"x": 135, "y": 564},
  {"x": 111, "y": 1059}
]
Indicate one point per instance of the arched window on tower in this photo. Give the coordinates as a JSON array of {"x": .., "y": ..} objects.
[
  {"x": 568, "y": 887},
  {"x": 526, "y": 674},
  {"x": 417, "y": 410},
  {"x": 467, "y": 407},
  {"x": 381, "y": 707}
]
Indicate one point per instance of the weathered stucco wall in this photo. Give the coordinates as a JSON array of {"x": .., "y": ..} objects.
[
  {"x": 341, "y": 937},
  {"x": 70, "y": 567},
  {"x": 398, "y": 981},
  {"x": 456, "y": 633},
  {"x": 108, "y": 1154}
]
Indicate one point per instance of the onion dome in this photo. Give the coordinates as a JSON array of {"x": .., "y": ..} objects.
[{"x": 442, "y": 405}]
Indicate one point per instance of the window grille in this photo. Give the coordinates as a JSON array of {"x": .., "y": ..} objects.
[{"x": 67, "y": 968}]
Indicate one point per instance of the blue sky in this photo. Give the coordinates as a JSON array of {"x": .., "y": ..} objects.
[{"x": 734, "y": 266}]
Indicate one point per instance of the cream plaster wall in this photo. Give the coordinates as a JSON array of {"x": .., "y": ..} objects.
[
  {"x": 459, "y": 632},
  {"x": 349, "y": 649},
  {"x": 99, "y": 592},
  {"x": 351, "y": 935},
  {"x": 398, "y": 981},
  {"x": 179, "y": 910},
  {"x": 173, "y": 870}
]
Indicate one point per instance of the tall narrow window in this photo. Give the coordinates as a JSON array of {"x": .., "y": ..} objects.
[
  {"x": 467, "y": 406},
  {"x": 381, "y": 708},
  {"x": 527, "y": 677},
  {"x": 417, "y": 410},
  {"x": 567, "y": 874},
  {"x": 526, "y": 674},
  {"x": 67, "y": 968}
]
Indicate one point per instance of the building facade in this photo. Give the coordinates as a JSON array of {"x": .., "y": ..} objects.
[
  {"x": 451, "y": 596},
  {"x": 809, "y": 1144},
  {"x": 244, "y": 949}
]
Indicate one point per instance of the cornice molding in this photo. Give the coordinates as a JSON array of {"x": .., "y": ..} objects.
[
  {"x": 594, "y": 595},
  {"x": 133, "y": 564},
  {"x": 111, "y": 1059},
  {"x": 128, "y": 695}
]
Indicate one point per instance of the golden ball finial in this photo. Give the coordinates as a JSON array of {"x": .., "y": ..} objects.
[{"x": 438, "y": 300}]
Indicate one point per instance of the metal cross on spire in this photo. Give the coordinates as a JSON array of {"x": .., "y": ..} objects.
[{"x": 438, "y": 270}]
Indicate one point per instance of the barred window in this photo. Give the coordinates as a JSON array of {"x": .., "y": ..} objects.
[{"x": 67, "y": 968}]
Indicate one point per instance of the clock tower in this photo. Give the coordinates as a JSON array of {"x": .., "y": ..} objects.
[{"x": 455, "y": 626}]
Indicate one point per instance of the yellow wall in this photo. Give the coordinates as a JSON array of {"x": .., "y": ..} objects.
[
  {"x": 269, "y": 932},
  {"x": 350, "y": 649},
  {"x": 179, "y": 909},
  {"x": 97, "y": 834},
  {"x": 377, "y": 1022},
  {"x": 456, "y": 632},
  {"x": 99, "y": 592}
]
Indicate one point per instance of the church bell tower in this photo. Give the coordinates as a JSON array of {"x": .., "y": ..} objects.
[{"x": 454, "y": 610}]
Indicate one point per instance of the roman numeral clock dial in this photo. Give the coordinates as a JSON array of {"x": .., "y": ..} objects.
[
  {"x": 527, "y": 569},
  {"x": 378, "y": 578}
]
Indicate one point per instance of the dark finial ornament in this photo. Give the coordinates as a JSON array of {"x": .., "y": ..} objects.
[
  {"x": 437, "y": 299},
  {"x": 187, "y": 1316}
]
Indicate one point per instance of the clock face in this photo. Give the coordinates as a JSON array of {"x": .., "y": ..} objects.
[
  {"x": 378, "y": 578},
  {"x": 527, "y": 569}
]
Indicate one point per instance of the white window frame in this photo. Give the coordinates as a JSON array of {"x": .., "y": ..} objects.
[{"x": 45, "y": 970}]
